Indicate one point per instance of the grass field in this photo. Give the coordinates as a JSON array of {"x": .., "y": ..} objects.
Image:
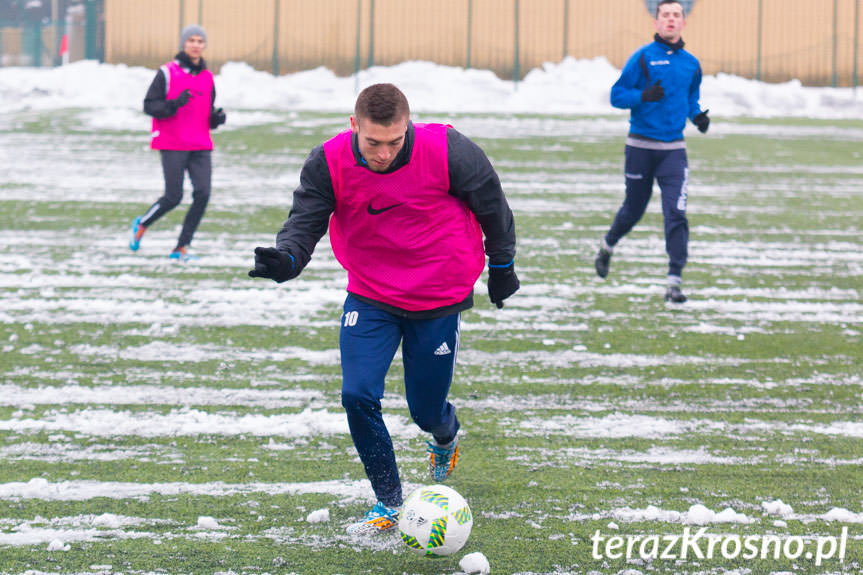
[{"x": 140, "y": 397}]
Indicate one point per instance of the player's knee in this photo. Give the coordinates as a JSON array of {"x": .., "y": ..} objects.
[
  {"x": 429, "y": 422},
  {"x": 356, "y": 400},
  {"x": 676, "y": 218},
  {"x": 169, "y": 203},
  {"x": 425, "y": 423}
]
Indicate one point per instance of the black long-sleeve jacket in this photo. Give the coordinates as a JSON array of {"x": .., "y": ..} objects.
[{"x": 472, "y": 180}]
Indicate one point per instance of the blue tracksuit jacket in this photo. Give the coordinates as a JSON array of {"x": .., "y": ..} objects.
[{"x": 680, "y": 75}]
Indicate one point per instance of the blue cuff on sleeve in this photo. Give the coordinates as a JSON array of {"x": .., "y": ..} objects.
[{"x": 491, "y": 265}]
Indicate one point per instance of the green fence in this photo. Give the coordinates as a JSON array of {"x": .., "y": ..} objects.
[{"x": 51, "y": 32}]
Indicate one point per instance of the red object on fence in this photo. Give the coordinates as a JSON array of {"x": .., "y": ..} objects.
[{"x": 64, "y": 45}]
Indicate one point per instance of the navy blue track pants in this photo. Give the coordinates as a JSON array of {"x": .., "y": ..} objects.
[
  {"x": 670, "y": 169},
  {"x": 368, "y": 341}
]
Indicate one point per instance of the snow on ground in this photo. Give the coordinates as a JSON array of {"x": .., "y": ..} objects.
[
  {"x": 567, "y": 87},
  {"x": 185, "y": 421},
  {"x": 91, "y": 422},
  {"x": 39, "y": 488}
]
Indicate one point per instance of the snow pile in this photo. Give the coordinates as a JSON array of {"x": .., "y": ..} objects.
[
  {"x": 475, "y": 562},
  {"x": 566, "y": 87},
  {"x": 205, "y": 522},
  {"x": 318, "y": 516},
  {"x": 777, "y": 508},
  {"x": 696, "y": 515}
]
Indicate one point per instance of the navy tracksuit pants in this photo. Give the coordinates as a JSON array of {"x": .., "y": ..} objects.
[
  {"x": 669, "y": 168},
  {"x": 368, "y": 341},
  {"x": 175, "y": 163}
]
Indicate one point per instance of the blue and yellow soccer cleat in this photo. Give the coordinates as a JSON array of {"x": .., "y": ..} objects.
[
  {"x": 377, "y": 519},
  {"x": 135, "y": 239},
  {"x": 442, "y": 459}
]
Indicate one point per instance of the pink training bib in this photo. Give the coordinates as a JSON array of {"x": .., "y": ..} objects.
[
  {"x": 403, "y": 239},
  {"x": 189, "y": 128}
]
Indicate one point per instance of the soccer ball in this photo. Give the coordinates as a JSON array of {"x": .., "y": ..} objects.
[{"x": 435, "y": 520}]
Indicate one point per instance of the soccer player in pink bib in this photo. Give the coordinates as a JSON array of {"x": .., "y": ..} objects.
[
  {"x": 407, "y": 206},
  {"x": 181, "y": 101}
]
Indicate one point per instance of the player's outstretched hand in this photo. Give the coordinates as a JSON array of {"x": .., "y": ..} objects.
[
  {"x": 502, "y": 283},
  {"x": 272, "y": 263},
  {"x": 701, "y": 121}
]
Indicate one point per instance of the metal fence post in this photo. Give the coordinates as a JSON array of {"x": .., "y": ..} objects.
[
  {"x": 760, "y": 34},
  {"x": 357, "y": 53},
  {"x": 276, "y": 37},
  {"x": 36, "y": 45},
  {"x": 182, "y": 17},
  {"x": 56, "y": 21},
  {"x": 565, "y": 28},
  {"x": 469, "y": 30},
  {"x": 201, "y": 12},
  {"x": 515, "y": 72},
  {"x": 371, "y": 61},
  {"x": 835, "y": 41},
  {"x": 91, "y": 15},
  {"x": 856, "y": 43}
]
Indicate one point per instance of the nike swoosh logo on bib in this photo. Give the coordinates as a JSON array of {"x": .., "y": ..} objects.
[{"x": 376, "y": 212}]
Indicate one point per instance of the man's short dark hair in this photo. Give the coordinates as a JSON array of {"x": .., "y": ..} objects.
[
  {"x": 382, "y": 104},
  {"x": 663, "y": 2}
]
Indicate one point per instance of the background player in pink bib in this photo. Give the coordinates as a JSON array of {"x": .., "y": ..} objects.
[
  {"x": 407, "y": 206},
  {"x": 181, "y": 101}
]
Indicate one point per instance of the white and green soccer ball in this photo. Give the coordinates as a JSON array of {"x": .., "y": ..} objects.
[{"x": 435, "y": 520}]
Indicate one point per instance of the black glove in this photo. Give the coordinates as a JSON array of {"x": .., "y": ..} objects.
[
  {"x": 217, "y": 118},
  {"x": 701, "y": 121},
  {"x": 653, "y": 93},
  {"x": 502, "y": 283},
  {"x": 183, "y": 98},
  {"x": 275, "y": 264}
]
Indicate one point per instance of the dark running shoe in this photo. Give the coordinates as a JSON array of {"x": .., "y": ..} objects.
[
  {"x": 603, "y": 256},
  {"x": 674, "y": 295}
]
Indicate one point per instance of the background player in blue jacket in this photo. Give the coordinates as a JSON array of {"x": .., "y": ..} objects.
[{"x": 660, "y": 85}]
